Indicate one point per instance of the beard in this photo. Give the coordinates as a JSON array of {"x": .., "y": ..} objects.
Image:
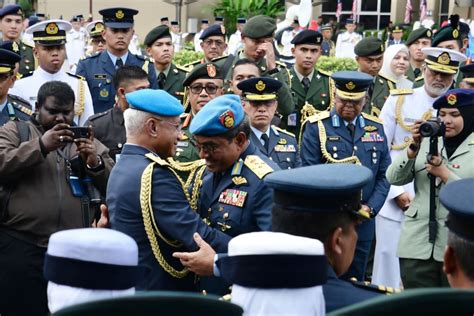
[{"x": 436, "y": 91}]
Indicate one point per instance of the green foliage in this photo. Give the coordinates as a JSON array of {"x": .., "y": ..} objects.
[
  {"x": 232, "y": 9},
  {"x": 186, "y": 56},
  {"x": 27, "y": 6},
  {"x": 334, "y": 64}
]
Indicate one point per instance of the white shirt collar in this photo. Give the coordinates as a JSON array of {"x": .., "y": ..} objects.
[
  {"x": 258, "y": 133},
  {"x": 49, "y": 76},
  {"x": 114, "y": 58}
]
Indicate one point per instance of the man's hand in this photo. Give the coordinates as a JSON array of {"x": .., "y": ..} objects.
[
  {"x": 57, "y": 137},
  {"x": 86, "y": 148},
  {"x": 200, "y": 262},
  {"x": 267, "y": 47},
  {"x": 104, "y": 218},
  {"x": 403, "y": 201}
]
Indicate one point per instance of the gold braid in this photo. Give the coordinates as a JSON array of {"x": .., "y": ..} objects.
[
  {"x": 332, "y": 94},
  {"x": 324, "y": 152},
  {"x": 151, "y": 228},
  {"x": 80, "y": 105}
]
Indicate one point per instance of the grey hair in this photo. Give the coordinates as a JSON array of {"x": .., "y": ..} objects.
[{"x": 134, "y": 121}]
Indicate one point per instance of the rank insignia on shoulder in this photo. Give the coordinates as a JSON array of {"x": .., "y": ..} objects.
[
  {"x": 372, "y": 137},
  {"x": 239, "y": 180},
  {"x": 233, "y": 197},
  {"x": 401, "y": 91},
  {"x": 282, "y": 141},
  {"x": 257, "y": 166},
  {"x": 184, "y": 137},
  {"x": 370, "y": 128},
  {"x": 373, "y": 287}
]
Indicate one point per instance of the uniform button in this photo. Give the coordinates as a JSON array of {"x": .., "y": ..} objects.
[
  {"x": 334, "y": 155},
  {"x": 334, "y": 148},
  {"x": 355, "y": 148},
  {"x": 221, "y": 209},
  {"x": 288, "y": 159},
  {"x": 225, "y": 216},
  {"x": 119, "y": 145},
  {"x": 209, "y": 210},
  {"x": 270, "y": 158}
]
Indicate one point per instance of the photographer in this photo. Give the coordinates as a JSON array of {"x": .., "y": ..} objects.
[
  {"x": 47, "y": 193},
  {"x": 421, "y": 247}
]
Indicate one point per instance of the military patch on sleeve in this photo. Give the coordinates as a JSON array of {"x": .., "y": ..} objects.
[
  {"x": 257, "y": 166},
  {"x": 233, "y": 197}
]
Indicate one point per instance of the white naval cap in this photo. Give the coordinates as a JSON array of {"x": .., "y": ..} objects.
[
  {"x": 443, "y": 59},
  {"x": 50, "y": 32}
]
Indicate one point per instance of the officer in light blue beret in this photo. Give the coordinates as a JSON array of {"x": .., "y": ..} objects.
[{"x": 146, "y": 199}]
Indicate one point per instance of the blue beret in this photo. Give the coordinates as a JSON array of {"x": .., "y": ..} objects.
[
  {"x": 158, "y": 102},
  {"x": 213, "y": 30},
  {"x": 455, "y": 98},
  {"x": 458, "y": 198},
  {"x": 218, "y": 116},
  {"x": 118, "y": 18},
  {"x": 320, "y": 188},
  {"x": 11, "y": 9}
]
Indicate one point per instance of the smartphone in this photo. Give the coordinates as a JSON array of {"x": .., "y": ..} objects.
[{"x": 80, "y": 132}]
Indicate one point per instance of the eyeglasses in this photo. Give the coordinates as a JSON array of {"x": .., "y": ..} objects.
[
  {"x": 210, "y": 42},
  {"x": 98, "y": 40},
  {"x": 209, "y": 148},
  {"x": 177, "y": 126},
  {"x": 210, "y": 88}
]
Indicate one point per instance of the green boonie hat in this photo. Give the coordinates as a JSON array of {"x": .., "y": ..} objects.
[
  {"x": 156, "y": 33},
  {"x": 415, "y": 35},
  {"x": 259, "y": 26},
  {"x": 369, "y": 46},
  {"x": 207, "y": 71}
]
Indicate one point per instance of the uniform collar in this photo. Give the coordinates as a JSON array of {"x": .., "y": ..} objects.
[
  {"x": 166, "y": 71},
  {"x": 2, "y": 106},
  {"x": 300, "y": 76},
  {"x": 259, "y": 133},
  {"x": 114, "y": 58},
  {"x": 337, "y": 121},
  {"x": 46, "y": 76}
]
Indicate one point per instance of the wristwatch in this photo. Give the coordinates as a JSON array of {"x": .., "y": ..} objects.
[{"x": 99, "y": 164}]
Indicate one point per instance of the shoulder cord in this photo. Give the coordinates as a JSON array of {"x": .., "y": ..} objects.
[
  {"x": 324, "y": 152},
  {"x": 80, "y": 105}
]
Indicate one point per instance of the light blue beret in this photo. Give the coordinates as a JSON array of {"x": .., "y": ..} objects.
[{"x": 158, "y": 102}]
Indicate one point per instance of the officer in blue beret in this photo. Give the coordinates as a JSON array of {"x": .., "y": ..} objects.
[
  {"x": 259, "y": 98},
  {"x": 146, "y": 199},
  {"x": 99, "y": 69},
  {"x": 12, "y": 107},
  {"x": 458, "y": 263},
  {"x": 468, "y": 76},
  {"x": 345, "y": 135}
]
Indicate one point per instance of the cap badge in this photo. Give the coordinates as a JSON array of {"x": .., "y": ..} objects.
[
  {"x": 444, "y": 59},
  {"x": 222, "y": 29},
  {"x": 260, "y": 86},
  {"x": 381, "y": 48},
  {"x": 119, "y": 14},
  {"x": 227, "y": 119},
  {"x": 350, "y": 85},
  {"x": 19, "y": 12},
  {"x": 15, "y": 47},
  {"x": 211, "y": 70},
  {"x": 52, "y": 29},
  {"x": 428, "y": 33},
  {"x": 99, "y": 27},
  {"x": 452, "y": 99},
  {"x": 455, "y": 33}
]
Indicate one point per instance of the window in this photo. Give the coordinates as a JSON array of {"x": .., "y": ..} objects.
[
  {"x": 373, "y": 14},
  {"x": 443, "y": 11}
]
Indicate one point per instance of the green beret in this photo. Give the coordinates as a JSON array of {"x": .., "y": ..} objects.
[
  {"x": 421, "y": 32},
  {"x": 156, "y": 33},
  {"x": 447, "y": 33},
  {"x": 206, "y": 71},
  {"x": 369, "y": 46},
  {"x": 259, "y": 26}
]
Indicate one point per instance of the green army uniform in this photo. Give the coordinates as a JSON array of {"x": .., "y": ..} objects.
[
  {"x": 380, "y": 93},
  {"x": 186, "y": 151},
  {"x": 415, "y": 35},
  {"x": 27, "y": 62},
  {"x": 174, "y": 81}
]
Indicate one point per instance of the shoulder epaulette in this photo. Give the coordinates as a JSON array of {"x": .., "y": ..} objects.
[
  {"x": 284, "y": 131},
  {"x": 317, "y": 117},
  {"x": 18, "y": 99},
  {"x": 372, "y": 118},
  {"x": 386, "y": 78},
  {"x": 419, "y": 78},
  {"x": 401, "y": 91},
  {"x": 27, "y": 44},
  {"x": 191, "y": 65},
  {"x": 182, "y": 68},
  {"x": 279, "y": 63},
  {"x": 96, "y": 116},
  {"x": 375, "y": 288},
  {"x": 91, "y": 56},
  {"x": 157, "y": 159},
  {"x": 20, "y": 107},
  {"x": 219, "y": 58},
  {"x": 142, "y": 57},
  {"x": 28, "y": 74},
  {"x": 324, "y": 72},
  {"x": 257, "y": 166},
  {"x": 75, "y": 76}
]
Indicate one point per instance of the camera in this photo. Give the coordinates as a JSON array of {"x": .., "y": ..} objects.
[
  {"x": 432, "y": 128},
  {"x": 80, "y": 132}
]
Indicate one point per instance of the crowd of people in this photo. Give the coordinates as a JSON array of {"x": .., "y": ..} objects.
[{"x": 297, "y": 190}]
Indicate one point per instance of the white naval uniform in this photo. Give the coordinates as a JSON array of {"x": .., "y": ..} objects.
[
  {"x": 27, "y": 88},
  {"x": 235, "y": 43},
  {"x": 389, "y": 220},
  {"x": 197, "y": 41},
  {"x": 345, "y": 44},
  {"x": 75, "y": 46}
]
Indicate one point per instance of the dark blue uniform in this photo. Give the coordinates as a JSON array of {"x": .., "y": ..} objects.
[
  {"x": 370, "y": 147},
  {"x": 283, "y": 148},
  {"x": 174, "y": 218},
  {"x": 98, "y": 70},
  {"x": 15, "y": 109}
]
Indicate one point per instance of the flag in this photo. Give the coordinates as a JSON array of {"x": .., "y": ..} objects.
[
  {"x": 408, "y": 11},
  {"x": 339, "y": 8},
  {"x": 423, "y": 10},
  {"x": 354, "y": 10}
]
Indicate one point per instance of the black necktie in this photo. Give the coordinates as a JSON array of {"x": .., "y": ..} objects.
[
  {"x": 118, "y": 63},
  {"x": 371, "y": 89},
  {"x": 306, "y": 83},
  {"x": 161, "y": 80},
  {"x": 351, "y": 127},
  {"x": 417, "y": 72},
  {"x": 265, "y": 139}
]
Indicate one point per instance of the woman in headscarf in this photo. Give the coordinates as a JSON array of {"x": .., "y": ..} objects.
[
  {"x": 421, "y": 252},
  {"x": 396, "y": 62}
]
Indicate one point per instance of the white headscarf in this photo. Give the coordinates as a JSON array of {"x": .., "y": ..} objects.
[{"x": 401, "y": 81}]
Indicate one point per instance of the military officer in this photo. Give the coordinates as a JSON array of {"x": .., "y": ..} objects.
[
  {"x": 96, "y": 41},
  {"x": 50, "y": 38},
  {"x": 344, "y": 135},
  {"x": 203, "y": 84},
  {"x": 76, "y": 39},
  {"x": 312, "y": 88},
  {"x": 197, "y": 40},
  {"x": 259, "y": 98},
  {"x": 11, "y": 106},
  {"x": 257, "y": 38},
  {"x": 176, "y": 35},
  {"x": 369, "y": 53},
  {"x": 327, "y": 46},
  {"x": 99, "y": 69},
  {"x": 12, "y": 26},
  {"x": 235, "y": 39},
  {"x": 468, "y": 76},
  {"x": 164, "y": 21},
  {"x": 346, "y": 41},
  {"x": 417, "y": 39},
  {"x": 159, "y": 47},
  {"x": 109, "y": 125},
  {"x": 397, "y": 34}
]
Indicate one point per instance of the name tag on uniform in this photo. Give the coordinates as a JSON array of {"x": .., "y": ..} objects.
[
  {"x": 409, "y": 120},
  {"x": 285, "y": 148},
  {"x": 334, "y": 138},
  {"x": 100, "y": 76},
  {"x": 372, "y": 137},
  {"x": 233, "y": 197},
  {"x": 183, "y": 144}
]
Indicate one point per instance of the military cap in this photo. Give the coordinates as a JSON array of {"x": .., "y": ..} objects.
[
  {"x": 326, "y": 27},
  {"x": 164, "y": 19},
  {"x": 174, "y": 23},
  {"x": 95, "y": 28},
  {"x": 443, "y": 60},
  {"x": 156, "y": 33},
  {"x": 11, "y": 9},
  {"x": 158, "y": 102},
  {"x": 76, "y": 18},
  {"x": 449, "y": 32},
  {"x": 260, "y": 88},
  {"x": 307, "y": 37},
  {"x": 321, "y": 188},
  {"x": 32, "y": 20},
  {"x": 352, "y": 85},
  {"x": 267, "y": 260},
  {"x": 457, "y": 197},
  {"x": 213, "y": 30},
  {"x": 9, "y": 56},
  {"x": 40, "y": 15},
  {"x": 118, "y": 18},
  {"x": 219, "y": 116},
  {"x": 219, "y": 18},
  {"x": 468, "y": 73},
  {"x": 369, "y": 46},
  {"x": 207, "y": 70},
  {"x": 455, "y": 98},
  {"x": 421, "y": 32},
  {"x": 350, "y": 21},
  {"x": 50, "y": 32},
  {"x": 259, "y": 26},
  {"x": 204, "y": 21},
  {"x": 397, "y": 29},
  {"x": 241, "y": 20}
]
